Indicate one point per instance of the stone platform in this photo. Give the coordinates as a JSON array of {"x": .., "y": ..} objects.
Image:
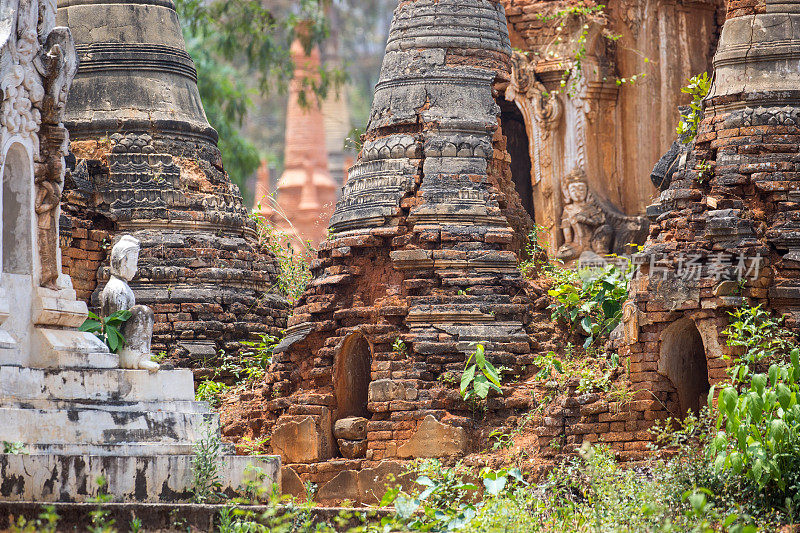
[{"x": 134, "y": 428}]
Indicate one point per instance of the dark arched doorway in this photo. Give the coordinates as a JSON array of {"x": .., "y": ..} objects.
[
  {"x": 683, "y": 361},
  {"x": 351, "y": 377},
  {"x": 518, "y": 146}
]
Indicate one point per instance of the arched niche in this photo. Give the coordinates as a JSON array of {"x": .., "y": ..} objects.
[
  {"x": 683, "y": 360},
  {"x": 17, "y": 211},
  {"x": 518, "y": 145},
  {"x": 351, "y": 377}
]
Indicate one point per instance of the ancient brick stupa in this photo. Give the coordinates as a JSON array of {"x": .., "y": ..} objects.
[
  {"x": 306, "y": 192},
  {"x": 419, "y": 266},
  {"x": 148, "y": 165},
  {"x": 725, "y": 232}
]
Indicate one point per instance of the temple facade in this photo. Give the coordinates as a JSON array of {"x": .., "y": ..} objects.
[{"x": 596, "y": 91}]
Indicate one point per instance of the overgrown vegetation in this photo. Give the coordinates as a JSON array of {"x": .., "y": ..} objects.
[
  {"x": 584, "y": 15},
  {"x": 590, "y": 300},
  {"x": 247, "y": 368},
  {"x": 206, "y": 481},
  {"x": 294, "y": 269},
  {"x": 697, "y": 88}
]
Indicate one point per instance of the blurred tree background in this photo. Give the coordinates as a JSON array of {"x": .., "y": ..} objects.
[{"x": 241, "y": 51}]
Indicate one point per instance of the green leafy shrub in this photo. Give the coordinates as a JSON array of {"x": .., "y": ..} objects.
[
  {"x": 698, "y": 89},
  {"x": 589, "y": 493},
  {"x": 210, "y": 391},
  {"x": 759, "y": 435},
  {"x": 591, "y": 300},
  {"x": 479, "y": 377},
  {"x": 107, "y": 329},
  {"x": 758, "y": 411},
  {"x": 101, "y": 516},
  {"x": 47, "y": 522},
  {"x": 760, "y": 337}
]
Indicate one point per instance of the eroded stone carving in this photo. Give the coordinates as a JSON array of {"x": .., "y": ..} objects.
[
  {"x": 592, "y": 225},
  {"x": 118, "y": 296},
  {"x": 582, "y": 221}
]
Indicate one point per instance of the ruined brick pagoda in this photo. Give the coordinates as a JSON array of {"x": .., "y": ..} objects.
[
  {"x": 725, "y": 232},
  {"x": 420, "y": 251},
  {"x": 306, "y": 192},
  {"x": 148, "y": 165}
]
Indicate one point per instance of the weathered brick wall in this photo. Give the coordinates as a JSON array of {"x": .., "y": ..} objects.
[
  {"x": 742, "y": 8},
  {"x": 209, "y": 290}
]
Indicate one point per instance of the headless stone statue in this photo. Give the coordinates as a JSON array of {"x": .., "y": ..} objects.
[{"x": 118, "y": 296}]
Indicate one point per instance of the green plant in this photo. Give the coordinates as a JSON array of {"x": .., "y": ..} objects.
[
  {"x": 159, "y": 358},
  {"x": 14, "y": 448},
  {"x": 758, "y": 412},
  {"x": 136, "y": 525},
  {"x": 698, "y": 89},
  {"x": 449, "y": 379},
  {"x": 294, "y": 271},
  {"x": 593, "y": 381},
  {"x": 759, "y": 336},
  {"x": 761, "y": 435},
  {"x": 535, "y": 252},
  {"x": 256, "y": 362},
  {"x": 107, "y": 329},
  {"x": 399, "y": 347},
  {"x": 249, "y": 446},
  {"x": 101, "y": 517},
  {"x": 353, "y": 140},
  {"x": 547, "y": 364},
  {"x": 206, "y": 482},
  {"x": 47, "y": 522},
  {"x": 210, "y": 391},
  {"x": 591, "y": 299},
  {"x": 479, "y": 377},
  {"x": 704, "y": 171},
  {"x": 502, "y": 440}
]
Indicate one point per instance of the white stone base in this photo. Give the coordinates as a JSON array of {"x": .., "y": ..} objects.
[
  {"x": 161, "y": 478},
  {"x": 137, "y": 429}
]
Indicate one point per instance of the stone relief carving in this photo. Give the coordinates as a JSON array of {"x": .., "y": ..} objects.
[
  {"x": 41, "y": 63},
  {"x": 117, "y": 296},
  {"x": 583, "y": 222},
  {"x": 592, "y": 225},
  {"x": 541, "y": 110}
]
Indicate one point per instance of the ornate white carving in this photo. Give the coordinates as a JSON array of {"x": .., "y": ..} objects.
[{"x": 38, "y": 63}]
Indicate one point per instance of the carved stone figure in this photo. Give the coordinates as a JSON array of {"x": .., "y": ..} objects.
[
  {"x": 594, "y": 226},
  {"x": 583, "y": 221},
  {"x": 118, "y": 296}
]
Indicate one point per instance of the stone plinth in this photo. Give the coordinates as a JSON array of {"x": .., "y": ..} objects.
[
  {"x": 136, "y": 429},
  {"x": 63, "y": 397},
  {"x": 147, "y": 164}
]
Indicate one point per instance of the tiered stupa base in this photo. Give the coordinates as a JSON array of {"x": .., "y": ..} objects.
[{"x": 135, "y": 429}]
